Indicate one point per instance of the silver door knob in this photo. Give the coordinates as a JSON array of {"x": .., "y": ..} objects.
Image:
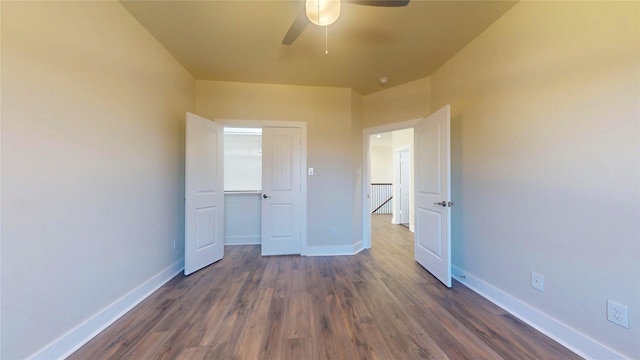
[
  {"x": 265, "y": 196},
  {"x": 441, "y": 203}
]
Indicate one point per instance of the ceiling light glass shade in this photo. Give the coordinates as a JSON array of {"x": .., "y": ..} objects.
[{"x": 323, "y": 12}]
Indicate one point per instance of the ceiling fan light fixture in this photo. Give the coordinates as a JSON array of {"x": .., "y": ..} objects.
[{"x": 323, "y": 12}]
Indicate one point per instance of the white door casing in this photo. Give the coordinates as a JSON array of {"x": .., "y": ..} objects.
[
  {"x": 204, "y": 193},
  {"x": 281, "y": 191},
  {"x": 432, "y": 199}
]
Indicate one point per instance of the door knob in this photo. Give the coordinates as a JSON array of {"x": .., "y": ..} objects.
[
  {"x": 441, "y": 203},
  {"x": 265, "y": 196}
]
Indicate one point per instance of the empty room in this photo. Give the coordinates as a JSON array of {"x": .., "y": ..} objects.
[{"x": 195, "y": 179}]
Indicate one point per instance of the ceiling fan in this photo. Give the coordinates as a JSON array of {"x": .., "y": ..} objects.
[{"x": 325, "y": 12}]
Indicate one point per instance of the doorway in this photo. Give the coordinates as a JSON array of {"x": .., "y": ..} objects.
[
  {"x": 242, "y": 186},
  {"x": 265, "y": 199},
  {"x": 432, "y": 184},
  {"x": 283, "y": 191},
  {"x": 390, "y": 172}
]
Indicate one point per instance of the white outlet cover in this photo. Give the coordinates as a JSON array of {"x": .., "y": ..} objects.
[
  {"x": 537, "y": 281},
  {"x": 618, "y": 314}
]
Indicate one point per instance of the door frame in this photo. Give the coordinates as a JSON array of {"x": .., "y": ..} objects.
[
  {"x": 366, "y": 172},
  {"x": 303, "y": 162}
]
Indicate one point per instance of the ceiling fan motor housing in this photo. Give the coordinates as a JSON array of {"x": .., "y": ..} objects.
[{"x": 323, "y": 12}]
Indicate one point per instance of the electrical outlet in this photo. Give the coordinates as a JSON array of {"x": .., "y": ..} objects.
[
  {"x": 175, "y": 244},
  {"x": 618, "y": 314},
  {"x": 333, "y": 231},
  {"x": 537, "y": 281}
]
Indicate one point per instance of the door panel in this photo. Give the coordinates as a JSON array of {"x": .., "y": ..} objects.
[
  {"x": 281, "y": 188},
  {"x": 204, "y": 194},
  {"x": 432, "y": 243}
]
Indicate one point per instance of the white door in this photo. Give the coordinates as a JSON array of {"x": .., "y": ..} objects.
[
  {"x": 204, "y": 194},
  {"x": 281, "y": 190},
  {"x": 405, "y": 186},
  {"x": 432, "y": 173}
]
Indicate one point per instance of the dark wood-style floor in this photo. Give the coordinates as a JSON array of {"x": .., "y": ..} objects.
[{"x": 378, "y": 304}]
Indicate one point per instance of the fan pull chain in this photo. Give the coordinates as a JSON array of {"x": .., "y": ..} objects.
[{"x": 326, "y": 40}]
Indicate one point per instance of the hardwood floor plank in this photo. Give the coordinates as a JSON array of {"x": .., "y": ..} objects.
[
  {"x": 299, "y": 316},
  {"x": 378, "y": 304},
  {"x": 193, "y": 353},
  {"x": 213, "y": 320},
  {"x": 249, "y": 344},
  {"x": 362, "y": 330},
  {"x": 274, "y": 337},
  {"x": 298, "y": 279},
  {"x": 284, "y": 278},
  {"x": 297, "y": 348},
  {"x": 323, "y": 340},
  {"x": 149, "y": 346},
  {"x": 389, "y": 313},
  {"x": 234, "y": 320}
]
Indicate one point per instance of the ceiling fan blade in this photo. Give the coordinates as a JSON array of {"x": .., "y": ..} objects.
[
  {"x": 381, "y": 3},
  {"x": 299, "y": 24}
]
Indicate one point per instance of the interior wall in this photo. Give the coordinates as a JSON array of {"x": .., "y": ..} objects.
[
  {"x": 381, "y": 163},
  {"x": 93, "y": 112},
  {"x": 331, "y": 125},
  {"x": 357, "y": 118},
  {"x": 399, "y": 103},
  {"x": 545, "y": 148}
]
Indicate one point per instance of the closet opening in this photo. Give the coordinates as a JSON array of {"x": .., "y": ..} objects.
[{"x": 242, "y": 186}]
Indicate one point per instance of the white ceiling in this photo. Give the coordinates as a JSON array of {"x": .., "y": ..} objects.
[
  {"x": 241, "y": 41},
  {"x": 382, "y": 139}
]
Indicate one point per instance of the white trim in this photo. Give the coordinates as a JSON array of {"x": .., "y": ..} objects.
[
  {"x": 366, "y": 173},
  {"x": 303, "y": 161},
  {"x": 81, "y": 334},
  {"x": 333, "y": 250},
  {"x": 570, "y": 338}
]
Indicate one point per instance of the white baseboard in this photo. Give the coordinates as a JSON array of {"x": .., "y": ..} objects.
[
  {"x": 243, "y": 240},
  {"x": 333, "y": 250},
  {"x": 81, "y": 334},
  {"x": 570, "y": 338}
]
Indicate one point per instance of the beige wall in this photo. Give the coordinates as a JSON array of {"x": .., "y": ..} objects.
[
  {"x": 92, "y": 164},
  {"x": 399, "y": 103},
  {"x": 357, "y": 119},
  {"x": 381, "y": 163},
  {"x": 545, "y": 137},
  {"x": 332, "y": 121}
]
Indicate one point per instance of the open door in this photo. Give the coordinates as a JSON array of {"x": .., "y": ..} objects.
[
  {"x": 204, "y": 194},
  {"x": 432, "y": 174},
  {"x": 281, "y": 191}
]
